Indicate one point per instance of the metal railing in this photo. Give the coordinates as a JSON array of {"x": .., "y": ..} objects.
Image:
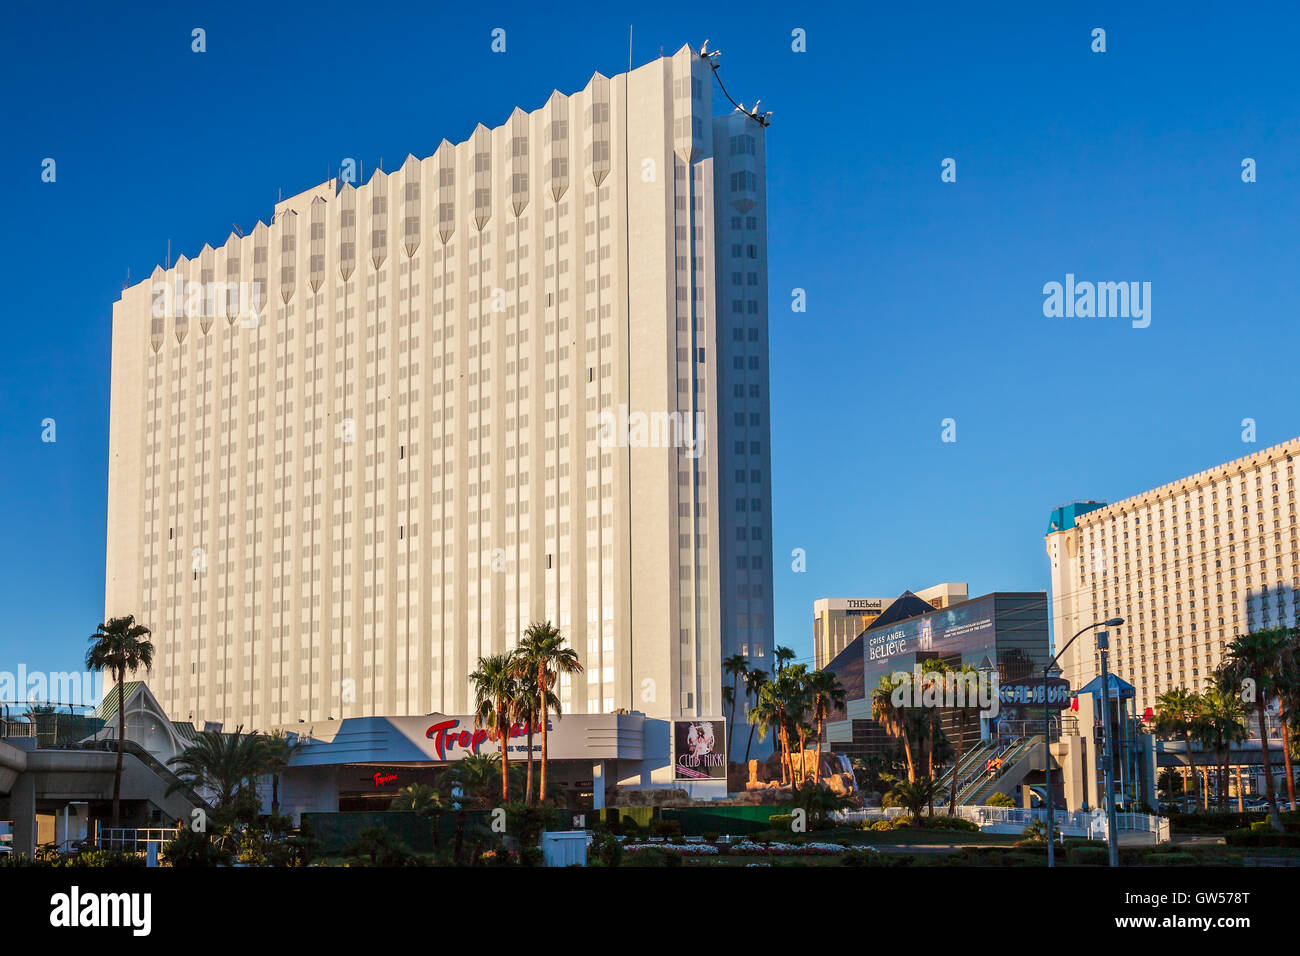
[
  {"x": 17, "y": 728},
  {"x": 133, "y": 839},
  {"x": 1087, "y": 823}
]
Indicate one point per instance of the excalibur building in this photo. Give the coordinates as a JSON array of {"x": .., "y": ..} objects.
[
  {"x": 371, "y": 441},
  {"x": 1190, "y": 566}
]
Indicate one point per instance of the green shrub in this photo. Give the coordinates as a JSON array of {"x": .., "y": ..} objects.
[
  {"x": 1000, "y": 800},
  {"x": 950, "y": 823},
  {"x": 1254, "y": 837},
  {"x": 605, "y": 850},
  {"x": 112, "y": 859},
  {"x": 878, "y": 825},
  {"x": 1172, "y": 859},
  {"x": 376, "y": 846},
  {"x": 1087, "y": 855},
  {"x": 781, "y": 821}
]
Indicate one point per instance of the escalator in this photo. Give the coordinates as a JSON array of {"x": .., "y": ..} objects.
[{"x": 1019, "y": 758}]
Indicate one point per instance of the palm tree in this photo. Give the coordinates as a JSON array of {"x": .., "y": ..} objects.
[
  {"x": 782, "y": 656},
  {"x": 1266, "y": 658},
  {"x": 422, "y": 799},
  {"x": 794, "y": 696},
  {"x": 893, "y": 720},
  {"x": 1177, "y": 714},
  {"x": 934, "y": 672},
  {"x": 755, "y": 680},
  {"x": 969, "y": 675},
  {"x": 737, "y": 666},
  {"x": 767, "y": 714},
  {"x": 278, "y": 751},
  {"x": 119, "y": 647},
  {"x": 495, "y": 691},
  {"x": 1220, "y": 723},
  {"x": 543, "y": 650},
  {"x": 225, "y": 764},
  {"x": 915, "y": 795},
  {"x": 827, "y": 696}
]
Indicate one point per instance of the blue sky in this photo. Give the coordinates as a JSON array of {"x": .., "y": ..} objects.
[{"x": 924, "y": 298}]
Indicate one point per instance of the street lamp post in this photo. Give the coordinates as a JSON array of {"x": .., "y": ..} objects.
[
  {"x": 1108, "y": 761},
  {"x": 1047, "y": 753}
]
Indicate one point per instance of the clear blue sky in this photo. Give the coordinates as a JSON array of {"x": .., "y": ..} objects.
[{"x": 924, "y": 298}]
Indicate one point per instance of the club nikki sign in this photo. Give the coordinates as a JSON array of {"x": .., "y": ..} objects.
[{"x": 449, "y": 739}]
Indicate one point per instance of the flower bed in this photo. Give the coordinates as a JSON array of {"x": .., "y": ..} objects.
[
  {"x": 691, "y": 849},
  {"x": 795, "y": 849}
]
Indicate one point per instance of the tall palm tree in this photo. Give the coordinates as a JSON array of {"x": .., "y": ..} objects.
[
  {"x": 933, "y": 674},
  {"x": 792, "y": 685},
  {"x": 1266, "y": 658},
  {"x": 827, "y": 695},
  {"x": 1220, "y": 723},
  {"x": 892, "y": 719},
  {"x": 542, "y": 652},
  {"x": 119, "y": 647},
  {"x": 969, "y": 675},
  {"x": 495, "y": 691},
  {"x": 737, "y": 666},
  {"x": 767, "y": 714},
  {"x": 782, "y": 656},
  {"x": 1178, "y": 714},
  {"x": 755, "y": 680}
]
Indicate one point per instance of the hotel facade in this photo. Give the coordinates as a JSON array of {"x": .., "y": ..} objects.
[
  {"x": 1190, "y": 566},
  {"x": 524, "y": 378}
]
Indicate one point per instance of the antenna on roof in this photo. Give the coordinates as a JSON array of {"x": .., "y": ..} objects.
[
  {"x": 629, "y": 48},
  {"x": 238, "y": 230},
  {"x": 169, "y": 253}
]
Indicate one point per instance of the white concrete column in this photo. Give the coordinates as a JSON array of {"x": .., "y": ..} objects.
[{"x": 598, "y": 784}]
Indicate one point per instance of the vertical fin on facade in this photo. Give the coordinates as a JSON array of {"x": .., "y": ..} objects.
[
  {"x": 157, "y": 323},
  {"x": 445, "y": 162},
  {"x": 687, "y": 106},
  {"x": 316, "y": 245},
  {"x": 207, "y": 276},
  {"x": 232, "y": 278},
  {"x": 180, "y": 317},
  {"x": 556, "y": 133},
  {"x": 261, "y": 267},
  {"x": 517, "y": 183},
  {"x": 411, "y": 205},
  {"x": 378, "y": 218},
  {"x": 288, "y": 223},
  {"x": 596, "y": 135},
  {"x": 480, "y": 144},
  {"x": 347, "y": 226}
]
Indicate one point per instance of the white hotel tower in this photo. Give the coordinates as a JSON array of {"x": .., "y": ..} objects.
[
  {"x": 1190, "y": 566},
  {"x": 333, "y": 501}
]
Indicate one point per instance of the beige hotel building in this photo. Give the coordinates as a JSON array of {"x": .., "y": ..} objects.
[
  {"x": 371, "y": 447},
  {"x": 1190, "y": 566}
]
